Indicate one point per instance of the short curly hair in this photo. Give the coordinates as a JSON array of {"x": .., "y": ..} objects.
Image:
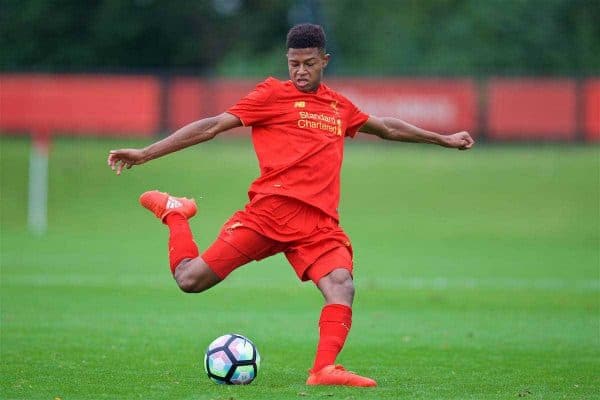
[{"x": 304, "y": 36}]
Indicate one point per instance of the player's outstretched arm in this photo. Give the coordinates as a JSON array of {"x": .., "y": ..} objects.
[
  {"x": 396, "y": 129},
  {"x": 191, "y": 134}
]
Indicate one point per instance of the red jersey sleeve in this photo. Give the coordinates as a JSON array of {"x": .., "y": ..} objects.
[
  {"x": 356, "y": 119},
  {"x": 258, "y": 105}
]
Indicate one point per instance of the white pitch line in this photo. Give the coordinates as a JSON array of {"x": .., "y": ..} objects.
[
  {"x": 441, "y": 283},
  {"x": 415, "y": 283}
]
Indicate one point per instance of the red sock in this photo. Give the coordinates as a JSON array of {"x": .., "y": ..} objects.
[
  {"x": 181, "y": 241},
  {"x": 334, "y": 325}
]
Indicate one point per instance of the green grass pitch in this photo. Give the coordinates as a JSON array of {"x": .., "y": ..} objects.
[{"x": 477, "y": 277}]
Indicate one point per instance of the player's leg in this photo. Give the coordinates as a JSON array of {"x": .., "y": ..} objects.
[
  {"x": 235, "y": 247},
  {"x": 191, "y": 273},
  {"x": 337, "y": 286},
  {"x": 332, "y": 273},
  {"x": 195, "y": 276}
]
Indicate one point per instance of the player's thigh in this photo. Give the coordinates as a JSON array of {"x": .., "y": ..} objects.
[
  {"x": 336, "y": 266},
  {"x": 237, "y": 247},
  {"x": 317, "y": 259}
]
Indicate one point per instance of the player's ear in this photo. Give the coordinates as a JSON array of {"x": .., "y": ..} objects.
[{"x": 326, "y": 58}]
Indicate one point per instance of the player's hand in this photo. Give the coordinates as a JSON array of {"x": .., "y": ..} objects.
[
  {"x": 461, "y": 141},
  {"x": 125, "y": 158}
]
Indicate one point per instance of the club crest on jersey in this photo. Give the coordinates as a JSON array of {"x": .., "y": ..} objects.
[
  {"x": 300, "y": 104},
  {"x": 333, "y": 105}
]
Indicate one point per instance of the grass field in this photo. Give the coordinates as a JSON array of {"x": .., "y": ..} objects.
[{"x": 477, "y": 277}]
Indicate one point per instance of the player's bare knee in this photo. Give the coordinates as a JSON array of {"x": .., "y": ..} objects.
[
  {"x": 347, "y": 288},
  {"x": 185, "y": 283},
  {"x": 185, "y": 280},
  {"x": 194, "y": 278},
  {"x": 338, "y": 284},
  {"x": 189, "y": 284},
  {"x": 341, "y": 277}
]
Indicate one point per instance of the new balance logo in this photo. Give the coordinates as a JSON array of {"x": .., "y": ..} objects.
[
  {"x": 300, "y": 104},
  {"x": 173, "y": 203}
]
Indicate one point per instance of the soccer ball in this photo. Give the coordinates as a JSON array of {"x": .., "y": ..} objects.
[{"x": 231, "y": 359}]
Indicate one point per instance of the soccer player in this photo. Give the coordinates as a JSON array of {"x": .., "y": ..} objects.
[{"x": 298, "y": 132}]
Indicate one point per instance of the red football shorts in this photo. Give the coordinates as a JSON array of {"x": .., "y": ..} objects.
[{"x": 312, "y": 241}]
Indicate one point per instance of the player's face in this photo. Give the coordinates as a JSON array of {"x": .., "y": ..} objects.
[{"x": 306, "y": 67}]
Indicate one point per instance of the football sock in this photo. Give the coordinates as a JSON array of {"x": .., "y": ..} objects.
[
  {"x": 181, "y": 240},
  {"x": 334, "y": 325}
]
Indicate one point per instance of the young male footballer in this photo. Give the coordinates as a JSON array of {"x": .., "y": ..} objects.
[{"x": 298, "y": 132}]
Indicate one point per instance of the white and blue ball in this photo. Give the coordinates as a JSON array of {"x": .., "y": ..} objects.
[{"x": 232, "y": 359}]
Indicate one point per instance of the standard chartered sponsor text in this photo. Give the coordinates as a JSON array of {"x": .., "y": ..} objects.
[{"x": 318, "y": 121}]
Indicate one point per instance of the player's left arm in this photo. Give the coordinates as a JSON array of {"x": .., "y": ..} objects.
[{"x": 395, "y": 129}]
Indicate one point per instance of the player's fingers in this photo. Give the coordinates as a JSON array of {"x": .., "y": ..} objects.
[
  {"x": 464, "y": 145},
  {"x": 113, "y": 159},
  {"x": 120, "y": 167},
  {"x": 115, "y": 164}
]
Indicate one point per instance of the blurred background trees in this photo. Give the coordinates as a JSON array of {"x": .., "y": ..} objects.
[{"x": 247, "y": 37}]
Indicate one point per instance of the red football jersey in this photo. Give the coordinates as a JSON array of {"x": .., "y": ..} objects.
[{"x": 299, "y": 140}]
